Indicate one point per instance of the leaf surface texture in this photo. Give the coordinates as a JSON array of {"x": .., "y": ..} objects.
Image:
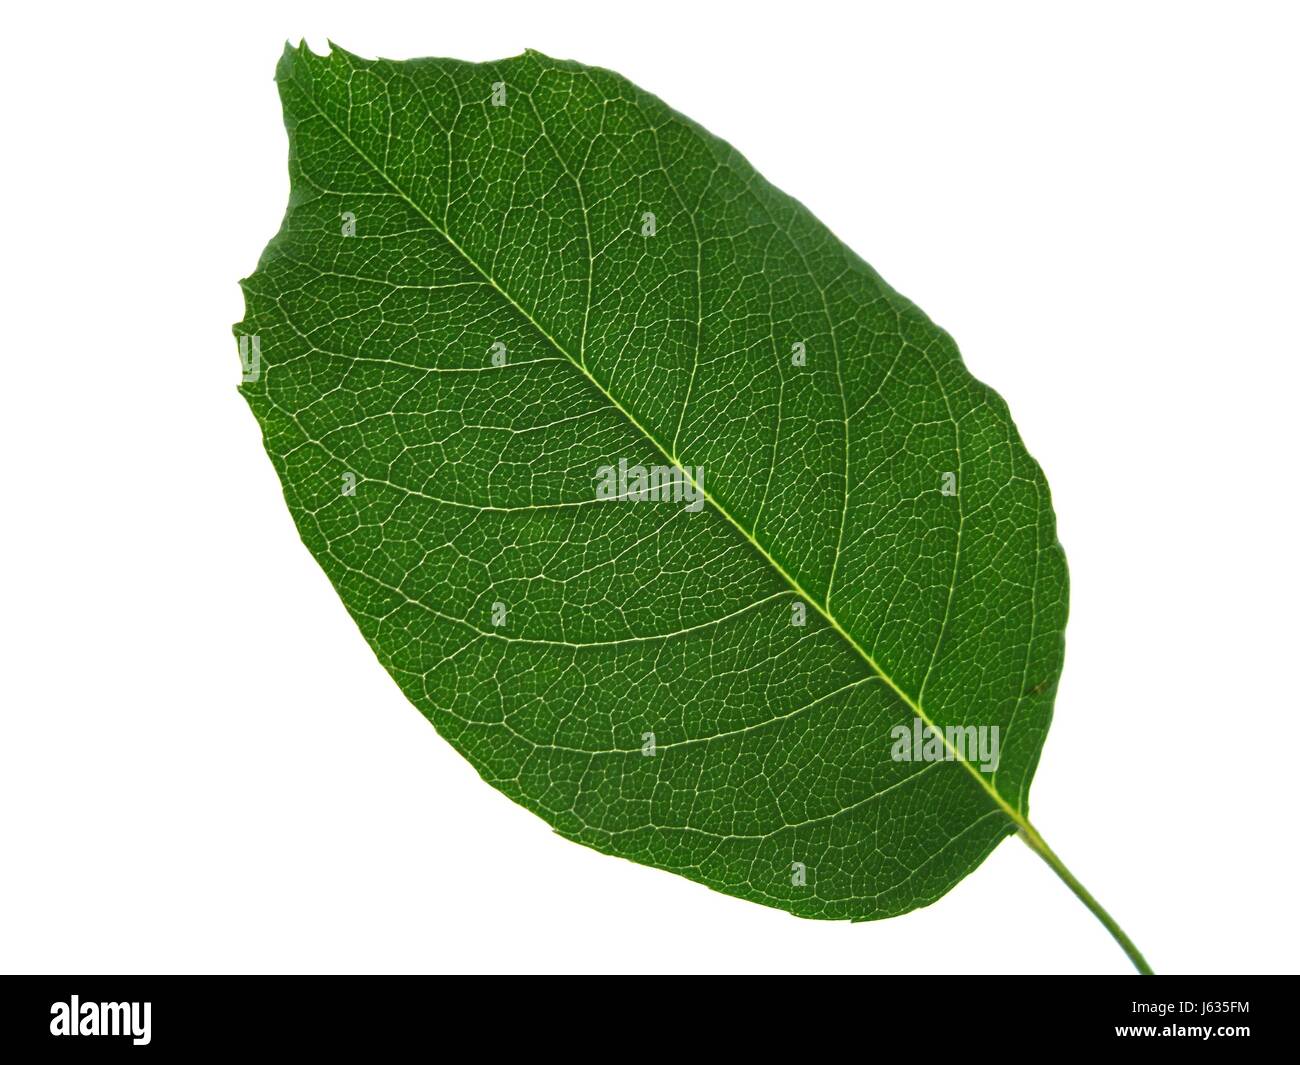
[{"x": 521, "y": 228}]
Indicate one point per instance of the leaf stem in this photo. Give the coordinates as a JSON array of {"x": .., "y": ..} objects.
[{"x": 1036, "y": 843}]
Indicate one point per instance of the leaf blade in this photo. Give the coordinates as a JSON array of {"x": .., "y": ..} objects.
[{"x": 787, "y": 775}]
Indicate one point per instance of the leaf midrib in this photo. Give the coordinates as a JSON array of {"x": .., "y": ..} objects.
[{"x": 954, "y": 754}]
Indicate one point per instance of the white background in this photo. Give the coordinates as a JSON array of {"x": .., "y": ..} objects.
[{"x": 204, "y": 768}]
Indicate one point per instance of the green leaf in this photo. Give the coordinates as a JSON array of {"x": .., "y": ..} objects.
[{"x": 497, "y": 282}]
